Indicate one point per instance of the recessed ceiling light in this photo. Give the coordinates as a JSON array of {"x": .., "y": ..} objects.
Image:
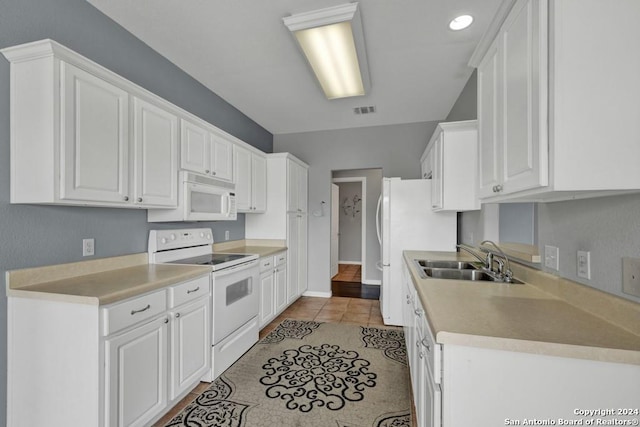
[{"x": 461, "y": 22}]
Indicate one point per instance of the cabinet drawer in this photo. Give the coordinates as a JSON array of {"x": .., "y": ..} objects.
[
  {"x": 266, "y": 263},
  {"x": 130, "y": 312},
  {"x": 188, "y": 291},
  {"x": 280, "y": 258}
]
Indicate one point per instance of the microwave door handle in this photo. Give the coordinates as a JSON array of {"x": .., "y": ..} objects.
[{"x": 228, "y": 197}]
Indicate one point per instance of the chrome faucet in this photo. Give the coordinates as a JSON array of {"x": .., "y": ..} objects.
[
  {"x": 486, "y": 260},
  {"x": 504, "y": 267}
]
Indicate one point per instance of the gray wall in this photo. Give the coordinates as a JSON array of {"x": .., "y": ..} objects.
[
  {"x": 42, "y": 235},
  {"x": 373, "y": 180},
  {"x": 350, "y": 223},
  {"x": 609, "y": 227},
  {"x": 396, "y": 149}
]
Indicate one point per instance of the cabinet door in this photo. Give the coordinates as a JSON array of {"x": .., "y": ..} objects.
[
  {"x": 437, "y": 182},
  {"x": 267, "y": 297},
  {"x": 194, "y": 148},
  {"x": 94, "y": 145},
  {"x": 242, "y": 177},
  {"x": 136, "y": 375},
  {"x": 293, "y": 171},
  {"x": 524, "y": 148},
  {"x": 190, "y": 345},
  {"x": 221, "y": 158},
  {"x": 155, "y": 155},
  {"x": 258, "y": 183},
  {"x": 489, "y": 141},
  {"x": 303, "y": 183},
  {"x": 293, "y": 258},
  {"x": 281, "y": 288}
]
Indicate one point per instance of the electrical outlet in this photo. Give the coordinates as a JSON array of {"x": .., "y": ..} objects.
[
  {"x": 631, "y": 276},
  {"x": 551, "y": 255},
  {"x": 88, "y": 247},
  {"x": 226, "y": 235},
  {"x": 584, "y": 264}
]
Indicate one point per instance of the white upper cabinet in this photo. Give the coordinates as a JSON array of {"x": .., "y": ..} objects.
[
  {"x": 95, "y": 139},
  {"x": 221, "y": 157},
  {"x": 557, "y": 101},
  {"x": 297, "y": 183},
  {"x": 250, "y": 176},
  {"x": 450, "y": 161},
  {"x": 205, "y": 152},
  {"x": 155, "y": 155},
  {"x": 82, "y": 135}
]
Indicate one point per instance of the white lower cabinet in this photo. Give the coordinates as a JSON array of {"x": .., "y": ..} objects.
[
  {"x": 273, "y": 287},
  {"x": 190, "y": 346},
  {"x": 460, "y": 386},
  {"x": 136, "y": 372},
  {"x": 116, "y": 365}
]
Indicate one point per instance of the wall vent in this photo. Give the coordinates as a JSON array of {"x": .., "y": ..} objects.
[{"x": 365, "y": 110}]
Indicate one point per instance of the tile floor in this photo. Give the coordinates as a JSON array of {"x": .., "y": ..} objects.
[{"x": 334, "y": 309}]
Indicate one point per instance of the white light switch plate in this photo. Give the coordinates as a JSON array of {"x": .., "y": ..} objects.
[
  {"x": 631, "y": 276},
  {"x": 551, "y": 255},
  {"x": 584, "y": 264}
]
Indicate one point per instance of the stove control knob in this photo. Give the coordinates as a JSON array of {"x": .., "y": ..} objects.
[
  {"x": 172, "y": 237},
  {"x": 208, "y": 236},
  {"x": 201, "y": 235},
  {"x": 163, "y": 240}
]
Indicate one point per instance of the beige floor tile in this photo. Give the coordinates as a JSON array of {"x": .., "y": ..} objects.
[
  {"x": 361, "y": 309},
  {"x": 329, "y": 316},
  {"x": 341, "y": 304},
  {"x": 359, "y": 318},
  {"x": 332, "y": 309}
]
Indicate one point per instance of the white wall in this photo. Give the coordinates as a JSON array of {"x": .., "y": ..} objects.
[{"x": 396, "y": 149}]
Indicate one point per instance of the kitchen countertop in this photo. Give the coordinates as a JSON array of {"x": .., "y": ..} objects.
[
  {"x": 98, "y": 282},
  {"x": 262, "y": 248},
  {"x": 519, "y": 317}
]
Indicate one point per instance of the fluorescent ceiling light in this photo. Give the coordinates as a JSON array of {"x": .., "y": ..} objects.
[
  {"x": 461, "y": 22},
  {"x": 333, "y": 44}
]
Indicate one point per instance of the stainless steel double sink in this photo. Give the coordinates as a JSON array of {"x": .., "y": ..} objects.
[{"x": 458, "y": 270}]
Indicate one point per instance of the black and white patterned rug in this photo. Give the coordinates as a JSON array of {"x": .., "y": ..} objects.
[{"x": 310, "y": 374}]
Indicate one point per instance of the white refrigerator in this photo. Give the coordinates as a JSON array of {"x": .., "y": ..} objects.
[{"x": 406, "y": 221}]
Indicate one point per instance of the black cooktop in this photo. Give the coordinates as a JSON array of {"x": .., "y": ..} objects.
[{"x": 210, "y": 259}]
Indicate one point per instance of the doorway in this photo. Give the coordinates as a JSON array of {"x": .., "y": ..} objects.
[{"x": 348, "y": 238}]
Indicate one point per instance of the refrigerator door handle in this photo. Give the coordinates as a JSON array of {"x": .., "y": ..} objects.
[{"x": 378, "y": 219}]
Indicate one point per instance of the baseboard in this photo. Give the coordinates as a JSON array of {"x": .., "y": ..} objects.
[
  {"x": 316, "y": 294},
  {"x": 350, "y": 262},
  {"x": 372, "y": 282}
]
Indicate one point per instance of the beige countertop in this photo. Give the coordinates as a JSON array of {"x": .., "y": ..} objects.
[
  {"x": 98, "y": 282},
  {"x": 260, "y": 247},
  {"x": 525, "y": 317}
]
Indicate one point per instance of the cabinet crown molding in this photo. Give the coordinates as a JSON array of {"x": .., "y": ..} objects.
[{"x": 491, "y": 33}]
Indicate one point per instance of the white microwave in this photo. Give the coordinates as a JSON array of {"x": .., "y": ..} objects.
[{"x": 200, "y": 198}]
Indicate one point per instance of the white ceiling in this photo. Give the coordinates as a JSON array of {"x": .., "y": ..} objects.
[{"x": 241, "y": 50}]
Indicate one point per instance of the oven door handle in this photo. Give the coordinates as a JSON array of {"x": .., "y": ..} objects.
[{"x": 235, "y": 268}]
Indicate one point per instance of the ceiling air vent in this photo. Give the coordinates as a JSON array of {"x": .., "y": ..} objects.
[{"x": 365, "y": 110}]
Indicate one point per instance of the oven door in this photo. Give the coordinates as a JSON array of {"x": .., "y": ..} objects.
[
  {"x": 208, "y": 203},
  {"x": 235, "y": 298}
]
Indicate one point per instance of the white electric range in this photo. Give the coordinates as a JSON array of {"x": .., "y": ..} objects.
[{"x": 234, "y": 294}]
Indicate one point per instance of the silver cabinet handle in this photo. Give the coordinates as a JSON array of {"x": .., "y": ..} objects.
[
  {"x": 141, "y": 310},
  {"x": 126, "y": 198},
  {"x": 418, "y": 312},
  {"x": 207, "y": 171},
  {"x": 426, "y": 344},
  {"x": 193, "y": 290},
  {"x": 497, "y": 188},
  {"x": 177, "y": 315},
  {"x": 421, "y": 355},
  {"x": 139, "y": 199},
  {"x": 166, "y": 320},
  {"x": 214, "y": 172}
]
